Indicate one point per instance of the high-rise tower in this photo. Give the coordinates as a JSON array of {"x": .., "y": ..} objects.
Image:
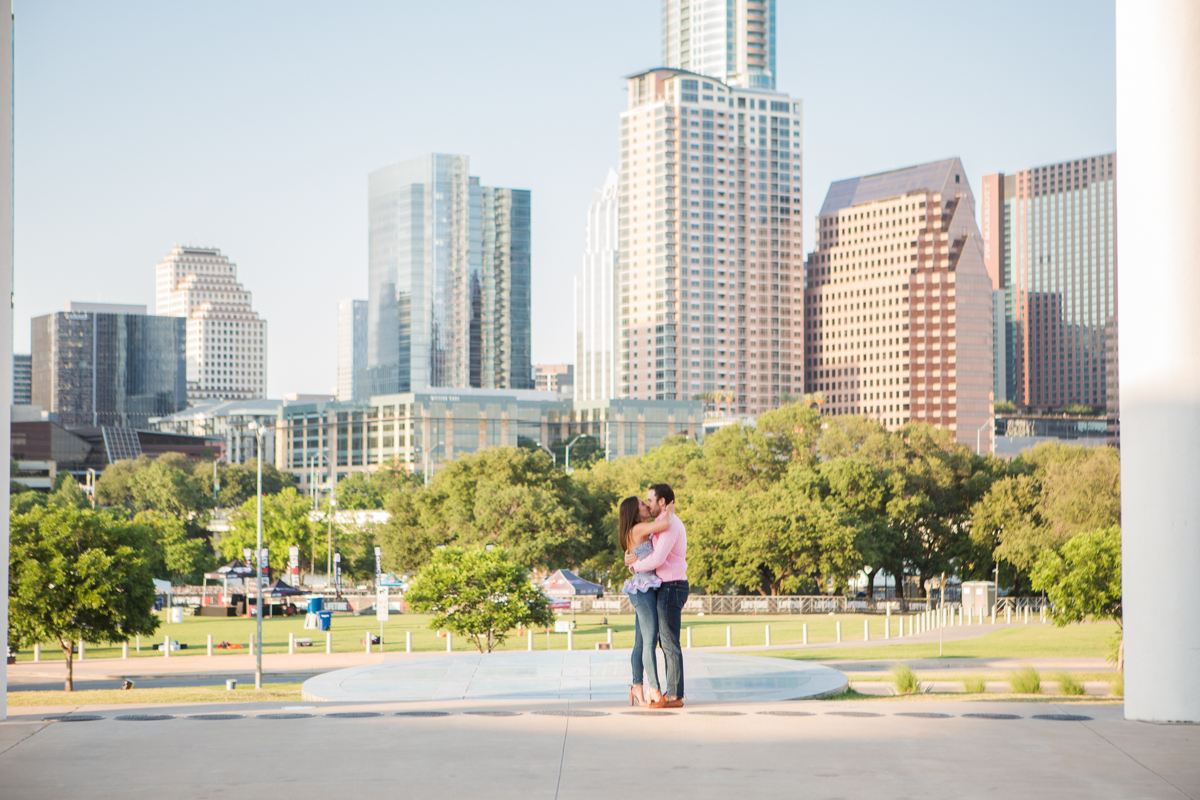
[
  {"x": 226, "y": 338},
  {"x": 898, "y": 303},
  {"x": 710, "y": 268},
  {"x": 1050, "y": 235},
  {"x": 352, "y": 345},
  {"x": 449, "y": 282},
  {"x": 595, "y": 300},
  {"x": 730, "y": 40}
]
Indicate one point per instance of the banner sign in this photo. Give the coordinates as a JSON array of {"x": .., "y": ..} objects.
[
  {"x": 378, "y": 564},
  {"x": 337, "y": 573}
]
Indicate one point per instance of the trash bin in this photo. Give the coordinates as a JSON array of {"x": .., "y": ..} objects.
[
  {"x": 324, "y": 620},
  {"x": 315, "y": 604},
  {"x": 175, "y": 614}
]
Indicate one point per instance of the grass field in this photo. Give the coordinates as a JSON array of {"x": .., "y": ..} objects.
[
  {"x": 1032, "y": 641},
  {"x": 271, "y": 692},
  {"x": 348, "y": 633}
]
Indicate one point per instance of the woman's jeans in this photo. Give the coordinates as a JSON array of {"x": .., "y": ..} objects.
[{"x": 645, "y": 637}]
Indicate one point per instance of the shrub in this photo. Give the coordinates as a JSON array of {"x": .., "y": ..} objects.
[
  {"x": 1025, "y": 681},
  {"x": 974, "y": 685},
  {"x": 905, "y": 680},
  {"x": 1118, "y": 684},
  {"x": 1068, "y": 685}
]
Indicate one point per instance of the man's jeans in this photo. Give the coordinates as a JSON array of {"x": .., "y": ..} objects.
[{"x": 671, "y": 597}]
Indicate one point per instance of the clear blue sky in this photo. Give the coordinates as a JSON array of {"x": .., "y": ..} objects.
[{"x": 252, "y": 126}]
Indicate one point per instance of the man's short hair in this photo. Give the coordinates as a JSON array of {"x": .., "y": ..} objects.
[{"x": 663, "y": 492}]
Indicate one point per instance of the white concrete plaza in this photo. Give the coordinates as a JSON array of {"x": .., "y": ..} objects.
[{"x": 570, "y": 675}]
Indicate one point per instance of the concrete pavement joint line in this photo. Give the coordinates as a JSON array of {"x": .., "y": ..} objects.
[
  {"x": 37, "y": 729},
  {"x": 562, "y": 754},
  {"x": 1134, "y": 759}
]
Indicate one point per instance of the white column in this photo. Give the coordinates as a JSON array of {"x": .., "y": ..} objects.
[
  {"x": 209, "y": 645},
  {"x": 6, "y": 320},
  {"x": 1158, "y": 148},
  {"x": 408, "y": 642},
  {"x": 328, "y": 642}
]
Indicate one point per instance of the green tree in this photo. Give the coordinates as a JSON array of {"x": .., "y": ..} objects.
[
  {"x": 1084, "y": 579},
  {"x": 239, "y": 482},
  {"x": 174, "y": 554},
  {"x": 286, "y": 524},
  {"x": 478, "y": 593},
  {"x": 77, "y": 574},
  {"x": 369, "y": 490},
  {"x": 67, "y": 493}
]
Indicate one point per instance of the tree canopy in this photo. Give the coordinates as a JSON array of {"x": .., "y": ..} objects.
[
  {"x": 77, "y": 574},
  {"x": 478, "y": 593}
]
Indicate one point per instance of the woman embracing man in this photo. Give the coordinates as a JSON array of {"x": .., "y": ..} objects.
[{"x": 655, "y": 545}]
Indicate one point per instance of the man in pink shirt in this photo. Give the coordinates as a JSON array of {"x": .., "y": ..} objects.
[{"x": 669, "y": 560}]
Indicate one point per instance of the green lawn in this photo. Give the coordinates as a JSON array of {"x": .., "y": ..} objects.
[
  {"x": 1032, "y": 641},
  {"x": 348, "y": 632},
  {"x": 271, "y": 692}
]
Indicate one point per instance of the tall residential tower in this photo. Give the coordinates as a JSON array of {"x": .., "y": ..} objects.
[
  {"x": 226, "y": 338},
  {"x": 899, "y": 304},
  {"x": 710, "y": 266},
  {"x": 1050, "y": 246},
  {"x": 449, "y": 282},
  {"x": 730, "y": 40}
]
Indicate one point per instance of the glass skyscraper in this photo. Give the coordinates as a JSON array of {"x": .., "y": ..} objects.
[
  {"x": 352, "y": 345},
  {"x": 109, "y": 369},
  {"x": 449, "y": 281},
  {"x": 1050, "y": 246},
  {"x": 730, "y": 40},
  {"x": 595, "y": 300}
]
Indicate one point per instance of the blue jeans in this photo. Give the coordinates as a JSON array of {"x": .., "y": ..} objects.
[
  {"x": 645, "y": 630},
  {"x": 671, "y": 597}
]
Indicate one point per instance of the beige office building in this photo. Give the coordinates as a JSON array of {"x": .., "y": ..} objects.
[
  {"x": 898, "y": 322},
  {"x": 226, "y": 338},
  {"x": 709, "y": 266}
]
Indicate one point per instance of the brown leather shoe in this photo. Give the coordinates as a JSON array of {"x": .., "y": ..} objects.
[
  {"x": 659, "y": 703},
  {"x": 671, "y": 702}
]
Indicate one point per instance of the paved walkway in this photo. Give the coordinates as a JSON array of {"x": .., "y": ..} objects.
[
  {"x": 518, "y": 750},
  {"x": 578, "y": 675}
]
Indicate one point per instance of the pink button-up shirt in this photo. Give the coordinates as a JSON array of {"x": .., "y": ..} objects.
[{"x": 670, "y": 553}]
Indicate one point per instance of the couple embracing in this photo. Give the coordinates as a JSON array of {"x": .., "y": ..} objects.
[{"x": 655, "y": 545}]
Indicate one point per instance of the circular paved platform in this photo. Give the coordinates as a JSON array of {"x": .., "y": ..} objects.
[{"x": 570, "y": 675}]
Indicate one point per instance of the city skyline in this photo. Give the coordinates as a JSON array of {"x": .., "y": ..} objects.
[{"x": 303, "y": 229}]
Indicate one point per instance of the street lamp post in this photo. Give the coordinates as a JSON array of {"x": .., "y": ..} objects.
[
  {"x": 991, "y": 421},
  {"x": 573, "y": 441},
  {"x": 258, "y": 434},
  {"x": 329, "y": 554}
]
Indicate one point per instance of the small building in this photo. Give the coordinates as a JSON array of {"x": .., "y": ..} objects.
[
  {"x": 230, "y": 421},
  {"x": 977, "y": 596}
]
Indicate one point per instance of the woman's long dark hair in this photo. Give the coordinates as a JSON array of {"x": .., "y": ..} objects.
[{"x": 627, "y": 517}]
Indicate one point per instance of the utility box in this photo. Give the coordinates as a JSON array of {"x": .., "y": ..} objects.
[{"x": 978, "y": 595}]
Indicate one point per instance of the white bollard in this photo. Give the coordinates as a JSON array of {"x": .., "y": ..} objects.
[
  {"x": 328, "y": 642},
  {"x": 167, "y": 647},
  {"x": 408, "y": 642},
  {"x": 1007, "y": 616},
  {"x": 1026, "y": 615},
  {"x": 866, "y": 630},
  {"x": 210, "y": 644},
  {"x": 252, "y": 644},
  {"x": 530, "y": 647},
  {"x": 729, "y": 636},
  {"x": 570, "y": 639},
  {"x": 367, "y": 640},
  {"x": 689, "y": 636},
  {"x": 839, "y": 630},
  {"x": 610, "y": 636},
  {"x": 547, "y": 638},
  {"x": 449, "y": 642},
  {"x": 81, "y": 650},
  {"x": 139, "y": 643},
  {"x": 37, "y": 652},
  {"x": 993, "y": 615},
  {"x": 291, "y": 644},
  {"x": 911, "y": 623},
  {"x": 887, "y": 627},
  {"x": 125, "y": 649},
  {"x": 768, "y": 627}
]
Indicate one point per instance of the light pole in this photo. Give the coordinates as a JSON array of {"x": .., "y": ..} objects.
[
  {"x": 258, "y": 433},
  {"x": 91, "y": 485},
  {"x": 573, "y": 441},
  {"x": 329, "y": 554},
  {"x": 551, "y": 452},
  {"x": 428, "y": 461},
  {"x": 991, "y": 421}
]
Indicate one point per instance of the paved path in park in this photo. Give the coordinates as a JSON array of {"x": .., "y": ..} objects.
[
  {"x": 901, "y": 749},
  {"x": 198, "y": 670}
]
